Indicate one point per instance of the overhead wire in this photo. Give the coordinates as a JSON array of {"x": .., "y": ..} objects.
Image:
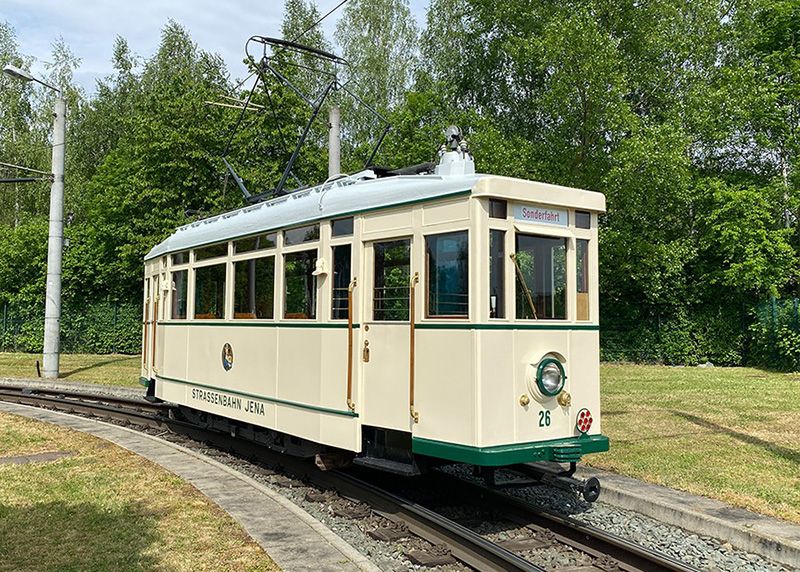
[
  {"x": 258, "y": 71},
  {"x": 319, "y": 21}
]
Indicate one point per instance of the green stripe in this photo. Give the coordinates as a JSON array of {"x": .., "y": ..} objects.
[
  {"x": 321, "y": 218},
  {"x": 516, "y": 326},
  {"x": 419, "y": 326},
  {"x": 502, "y": 455},
  {"x": 262, "y": 397},
  {"x": 247, "y": 324}
]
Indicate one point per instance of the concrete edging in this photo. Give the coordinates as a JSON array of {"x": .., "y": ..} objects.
[
  {"x": 769, "y": 537},
  {"x": 106, "y": 432}
]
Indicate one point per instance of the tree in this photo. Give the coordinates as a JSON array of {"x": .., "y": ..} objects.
[{"x": 378, "y": 38}]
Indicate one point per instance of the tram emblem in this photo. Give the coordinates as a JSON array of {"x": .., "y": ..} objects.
[{"x": 227, "y": 357}]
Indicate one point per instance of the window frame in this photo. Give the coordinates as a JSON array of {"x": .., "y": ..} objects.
[
  {"x": 371, "y": 261},
  {"x": 334, "y": 245},
  {"x": 304, "y": 243},
  {"x": 427, "y": 272},
  {"x": 352, "y": 233},
  {"x": 569, "y": 241},
  {"x": 271, "y": 253},
  {"x": 219, "y": 261},
  {"x": 195, "y": 250},
  {"x": 502, "y": 304},
  {"x": 304, "y": 247},
  {"x": 256, "y": 251},
  {"x": 173, "y": 289}
]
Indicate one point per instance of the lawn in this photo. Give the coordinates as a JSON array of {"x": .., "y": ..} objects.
[
  {"x": 727, "y": 433},
  {"x": 113, "y": 369},
  {"x": 105, "y": 508}
]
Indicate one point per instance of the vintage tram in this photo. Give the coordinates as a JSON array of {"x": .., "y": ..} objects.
[{"x": 401, "y": 320}]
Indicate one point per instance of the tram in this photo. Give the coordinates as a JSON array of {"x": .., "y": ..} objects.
[{"x": 394, "y": 320}]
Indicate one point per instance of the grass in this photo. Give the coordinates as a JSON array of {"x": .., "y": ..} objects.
[
  {"x": 112, "y": 369},
  {"x": 728, "y": 433},
  {"x": 107, "y": 509}
]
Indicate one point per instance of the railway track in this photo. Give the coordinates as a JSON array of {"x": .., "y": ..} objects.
[{"x": 466, "y": 545}]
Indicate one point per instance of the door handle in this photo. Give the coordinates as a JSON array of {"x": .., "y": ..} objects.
[{"x": 365, "y": 352}]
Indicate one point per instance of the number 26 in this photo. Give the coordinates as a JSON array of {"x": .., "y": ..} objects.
[{"x": 544, "y": 418}]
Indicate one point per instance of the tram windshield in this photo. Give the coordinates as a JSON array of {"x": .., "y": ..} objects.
[{"x": 541, "y": 277}]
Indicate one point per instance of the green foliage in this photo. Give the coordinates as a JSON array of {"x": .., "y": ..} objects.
[
  {"x": 686, "y": 115},
  {"x": 775, "y": 334},
  {"x": 100, "y": 328}
]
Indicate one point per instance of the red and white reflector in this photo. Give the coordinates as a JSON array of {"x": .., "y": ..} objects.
[{"x": 583, "y": 422}]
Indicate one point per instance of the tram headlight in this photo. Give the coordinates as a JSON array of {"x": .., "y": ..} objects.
[{"x": 550, "y": 376}]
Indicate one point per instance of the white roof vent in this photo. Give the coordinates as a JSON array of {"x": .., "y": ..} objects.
[{"x": 454, "y": 156}]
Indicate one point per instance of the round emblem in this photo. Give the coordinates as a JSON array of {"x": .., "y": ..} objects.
[{"x": 227, "y": 357}]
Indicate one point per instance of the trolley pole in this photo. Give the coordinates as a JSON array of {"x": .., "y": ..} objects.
[
  {"x": 334, "y": 142},
  {"x": 55, "y": 240}
]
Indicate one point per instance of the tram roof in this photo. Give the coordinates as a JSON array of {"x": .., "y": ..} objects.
[{"x": 348, "y": 196}]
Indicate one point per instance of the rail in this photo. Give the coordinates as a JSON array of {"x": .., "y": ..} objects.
[{"x": 464, "y": 544}]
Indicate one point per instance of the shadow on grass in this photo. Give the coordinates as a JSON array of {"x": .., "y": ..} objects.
[
  {"x": 72, "y": 372},
  {"x": 57, "y": 536},
  {"x": 784, "y": 452}
]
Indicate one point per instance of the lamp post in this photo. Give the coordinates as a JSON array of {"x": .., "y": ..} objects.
[{"x": 55, "y": 240}]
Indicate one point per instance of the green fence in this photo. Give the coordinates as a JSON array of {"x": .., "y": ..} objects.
[
  {"x": 766, "y": 335},
  {"x": 100, "y": 328},
  {"x": 775, "y": 334},
  {"x": 718, "y": 335}
]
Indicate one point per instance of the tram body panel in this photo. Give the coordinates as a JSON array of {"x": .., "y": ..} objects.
[
  {"x": 385, "y": 374},
  {"x": 475, "y": 386},
  {"x": 445, "y": 386}
]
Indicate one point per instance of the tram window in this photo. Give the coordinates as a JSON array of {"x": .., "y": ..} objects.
[
  {"x": 180, "y": 294},
  {"x": 180, "y": 257},
  {"x": 498, "y": 208},
  {"x": 341, "y": 281},
  {"x": 583, "y": 219},
  {"x": 541, "y": 264},
  {"x": 497, "y": 255},
  {"x": 342, "y": 227},
  {"x": 254, "y": 288},
  {"x": 392, "y": 272},
  {"x": 301, "y": 234},
  {"x": 448, "y": 274},
  {"x": 213, "y": 251},
  {"x": 254, "y": 243},
  {"x": 582, "y": 274},
  {"x": 209, "y": 292},
  {"x": 301, "y": 285}
]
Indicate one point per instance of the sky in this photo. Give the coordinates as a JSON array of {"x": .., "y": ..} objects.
[{"x": 90, "y": 27}]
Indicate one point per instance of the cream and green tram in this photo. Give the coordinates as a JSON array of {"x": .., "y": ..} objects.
[{"x": 447, "y": 316}]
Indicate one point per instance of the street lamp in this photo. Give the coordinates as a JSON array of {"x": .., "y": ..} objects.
[{"x": 52, "y": 305}]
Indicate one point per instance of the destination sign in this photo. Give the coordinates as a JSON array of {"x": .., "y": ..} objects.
[{"x": 540, "y": 215}]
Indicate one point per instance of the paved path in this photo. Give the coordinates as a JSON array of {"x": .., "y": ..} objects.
[
  {"x": 291, "y": 537},
  {"x": 772, "y": 538},
  {"x": 66, "y": 385}
]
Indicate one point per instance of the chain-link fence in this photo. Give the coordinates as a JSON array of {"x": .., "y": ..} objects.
[
  {"x": 718, "y": 335},
  {"x": 775, "y": 334},
  {"x": 101, "y": 328}
]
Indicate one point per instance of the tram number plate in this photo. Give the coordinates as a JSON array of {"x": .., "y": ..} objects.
[{"x": 544, "y": 418}]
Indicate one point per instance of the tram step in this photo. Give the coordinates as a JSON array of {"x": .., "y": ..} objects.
[
  {"x": 389, "y": 466},
  {"x": 566, "y": 454}
]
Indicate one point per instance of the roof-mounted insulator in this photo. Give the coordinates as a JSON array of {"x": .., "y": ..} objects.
[{"x": 457, "y": 160}]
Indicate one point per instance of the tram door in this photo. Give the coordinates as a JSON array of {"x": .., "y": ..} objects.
[
  {"x": 385, "y": 335},
  {"x": 149, "y": 349}
]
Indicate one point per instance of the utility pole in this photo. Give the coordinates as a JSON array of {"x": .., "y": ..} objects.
[
  {"x": 334, "y": 142},
  {"x": 55, "y": 238},
  {"x": 55, "y": 245}
]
